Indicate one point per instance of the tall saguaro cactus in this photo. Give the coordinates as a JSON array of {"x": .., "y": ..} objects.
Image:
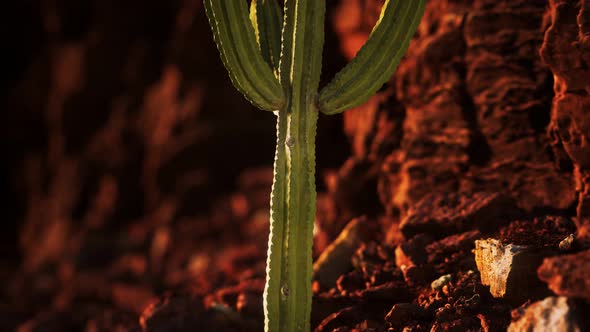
[{"x": 274, "y": 56}]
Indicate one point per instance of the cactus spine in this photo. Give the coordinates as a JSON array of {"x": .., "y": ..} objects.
[{"x": 273, "y": 57}]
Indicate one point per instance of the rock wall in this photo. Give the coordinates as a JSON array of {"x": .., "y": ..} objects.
[
  {"x": 566, "y": 50},
  {"x": 491, "y": 96}
]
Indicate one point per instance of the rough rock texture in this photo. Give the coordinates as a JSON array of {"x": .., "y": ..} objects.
[
  {"x": 470, "y": 113},
  {"x": 568, "y": 275},
  {"x": 546, "y": 232},
  {"x": 566, "y": 51},
  {"x": 442, "y": 214},
  {"x": 467, "y": 110},
  {"x": 335, "y": 259}
]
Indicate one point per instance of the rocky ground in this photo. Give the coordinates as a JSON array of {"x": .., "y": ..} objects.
[{"x": 463, "y": 203}]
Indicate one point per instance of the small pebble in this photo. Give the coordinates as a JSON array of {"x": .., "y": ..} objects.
[
  {"x": 440, "y": 282},
  {"x": 566, "y": 244}
]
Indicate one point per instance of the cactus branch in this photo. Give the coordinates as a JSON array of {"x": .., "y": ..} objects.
[
  {"x": 377, "y": 59},
  {"x": 236, "y": 42}
]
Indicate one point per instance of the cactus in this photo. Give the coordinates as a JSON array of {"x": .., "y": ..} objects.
[{"x": 273, "y": 56}]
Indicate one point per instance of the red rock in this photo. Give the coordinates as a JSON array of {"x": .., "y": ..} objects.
[
  {"x": 172, "y": 312},
  {"x": 412, "y": 252},
  {"x": 350, "y": 190},
  {"x": 345, "y": 317},
  {"x": 566, "y": 50},
  {"x": 350, "y": 282},
  {"x": 410, "y": 258},
  {"x": 395, "y": 291},
  {"x": 240, "y": 297},
  {"x": 335, "y": 260},
  {"x": 440, "y": 215},
  {"x": 131, "y": 298},
  {"x": 494, "y": 319},
  {"x": 418, "y": 275},
  {"x": 250, "y": 304},
  {"x": 583, "y": 209},
  {"x": 568, "y": 275},
  {"x": 187, "y": 313},
  {"x": 544, "y": 232},
  {"x": 327, "y": 303},
  {"x": 453, "y": 253},
  {"x": 465, "y": 323},
  {"x": 403, "y": 312},
  {"x": 534, "y": 185}
]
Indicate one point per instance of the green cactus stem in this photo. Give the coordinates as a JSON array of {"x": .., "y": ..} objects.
[{"x": 273, "y": 57}]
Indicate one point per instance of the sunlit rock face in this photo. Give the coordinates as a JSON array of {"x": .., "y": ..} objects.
[
  {"x": 566, "y": 50},
  {"x": 471, "y": 107}
]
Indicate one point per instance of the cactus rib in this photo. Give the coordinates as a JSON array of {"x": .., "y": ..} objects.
[
  {"x": 278, "y": 217},
  {"x": 235, "y": 39},
  {"x": 267, "y": 19}
]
